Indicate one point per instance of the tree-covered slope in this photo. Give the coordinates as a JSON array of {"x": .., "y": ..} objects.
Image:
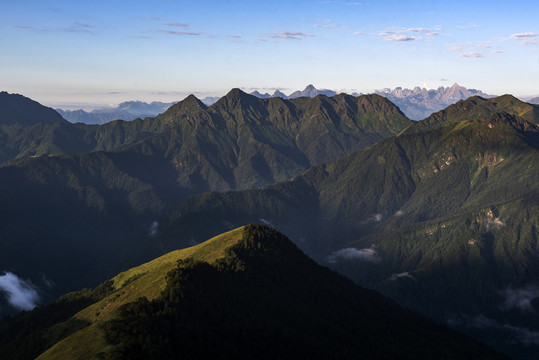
[
  {"x": 15, "y": 108},
  {"x": 444, "y": 221},
  {"x": 124, "y": 176},
  {"x": 476, "y": 107},
  {"x": 248, "y": 293}
]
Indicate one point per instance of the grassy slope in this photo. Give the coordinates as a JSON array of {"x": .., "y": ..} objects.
[
  {"x": 457, "y": 210},
  {"x": 279, "y": 296},
  {"x": 146, "y": 280}
]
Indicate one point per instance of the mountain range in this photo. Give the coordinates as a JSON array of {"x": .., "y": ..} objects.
[
  {"x": 416, "y": 104},
  {"x": 129, "y": 110},
  {"x": 447, "y": 208},
  {"x": 419, "y": 103},
  {"x": 440, "y": 214},
  {"x": 94, "y": 189},
  {"x": 247, "y": 293}
]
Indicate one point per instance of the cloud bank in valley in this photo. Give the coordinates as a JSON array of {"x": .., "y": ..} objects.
[
  {"x": 367, "y": 254},
  {"x": 21, "y": 294}
]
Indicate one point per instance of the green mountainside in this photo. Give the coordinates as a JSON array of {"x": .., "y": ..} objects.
[
  {"x": 444, "y": 221},
  {"x": 477, "y": 107},
  {"x": 442, "y": 217},
  {"x": 248, "y": 293},
  {"x": 95, "y": 190},
  {"x": 17, "y": 109}
]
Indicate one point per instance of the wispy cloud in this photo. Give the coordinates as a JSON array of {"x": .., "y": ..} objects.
[
  {"x": 368, "y": 254},
  {"x": 25, "y": 27},
  {"x": 75, "y": 28},
  {"x": 407, "y": 34},
  {"x": 404, "y": 275},
  {"x": 399, "y": 38},
  {"x": 471, "y": 50},
  {"x": 422, "y": 31},
  {"x": 520, "y": 299},
  {"x": 324, "y": 26},
  {"x": 288, "y": 35},
  {"x": 20, "y": 294},
  {"x": 186, "y": 33},
  {"x": 526, "y": 35},
  {"x": 469, "y": 26},
  {"x": 527, "y": 38},
  {"x": 177, "y": 24},
  {"x": 457, "y": 47},
  {"x": 472, "y": 55}
]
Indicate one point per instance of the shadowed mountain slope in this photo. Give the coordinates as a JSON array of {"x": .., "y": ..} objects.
[
  {"x": 248, "y": 293},
  {"x": 451, "y": 212},
  {"x": 127, "y": 175}
]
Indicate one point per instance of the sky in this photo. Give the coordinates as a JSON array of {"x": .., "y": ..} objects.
[{"x": 87, "y": 54}]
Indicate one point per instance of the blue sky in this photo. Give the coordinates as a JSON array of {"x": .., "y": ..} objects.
[{"x": 73, "y": 53}]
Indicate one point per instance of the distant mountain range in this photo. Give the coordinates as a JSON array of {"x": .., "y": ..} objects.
[
  {"x": 416, "y": 104},
  {"x": 309, "y": 91},
  {"x": 129, "y": 110},
  {"x": 419, "y": 103}
]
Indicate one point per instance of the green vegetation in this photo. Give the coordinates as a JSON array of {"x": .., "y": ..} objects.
[
  {"x": 251, "y": 293},
  {"x": 452, "y": 210},
  {"x": 96, "y": 190}
]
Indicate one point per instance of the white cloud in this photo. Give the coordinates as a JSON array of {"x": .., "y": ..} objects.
[
  {"x": 527, "y": 38},
  {"x": 404, "y": 275},
  {"x": 396, "y": 34},
  {"x": 423, "y": 31},
  {"x": 20, "y": 294},
  {"x": 324, "y": 26},
  {"x": 177, "y": 24},
  {"x": 523, "y": 35},
  {"x": 266, "y": 222},
  {"x": 367, "y": 254},
  {"x": 472, "y": 55},
  {"x": 153, "y": 228},
  {"x": 288, "y": 35},
  {"x": 399, "y": 38},
  {"x": 469, "y": 26},
  {"x": 520, "y": 299},
  {"x": 188, "y": 33}
]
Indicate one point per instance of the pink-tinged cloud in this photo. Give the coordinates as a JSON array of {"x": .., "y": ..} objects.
[
  {"x": 472, "y": 55},
  {"x": 423, "y": 31},
  {"x": 177, "y": 24},
  {"x": 324, "y": 26},
  {"x": 187, "y": 33},
  {"x": 521, "y": 36},
  {"x": 289, "y": 35},
  {"x": 399, "y": 38}
]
